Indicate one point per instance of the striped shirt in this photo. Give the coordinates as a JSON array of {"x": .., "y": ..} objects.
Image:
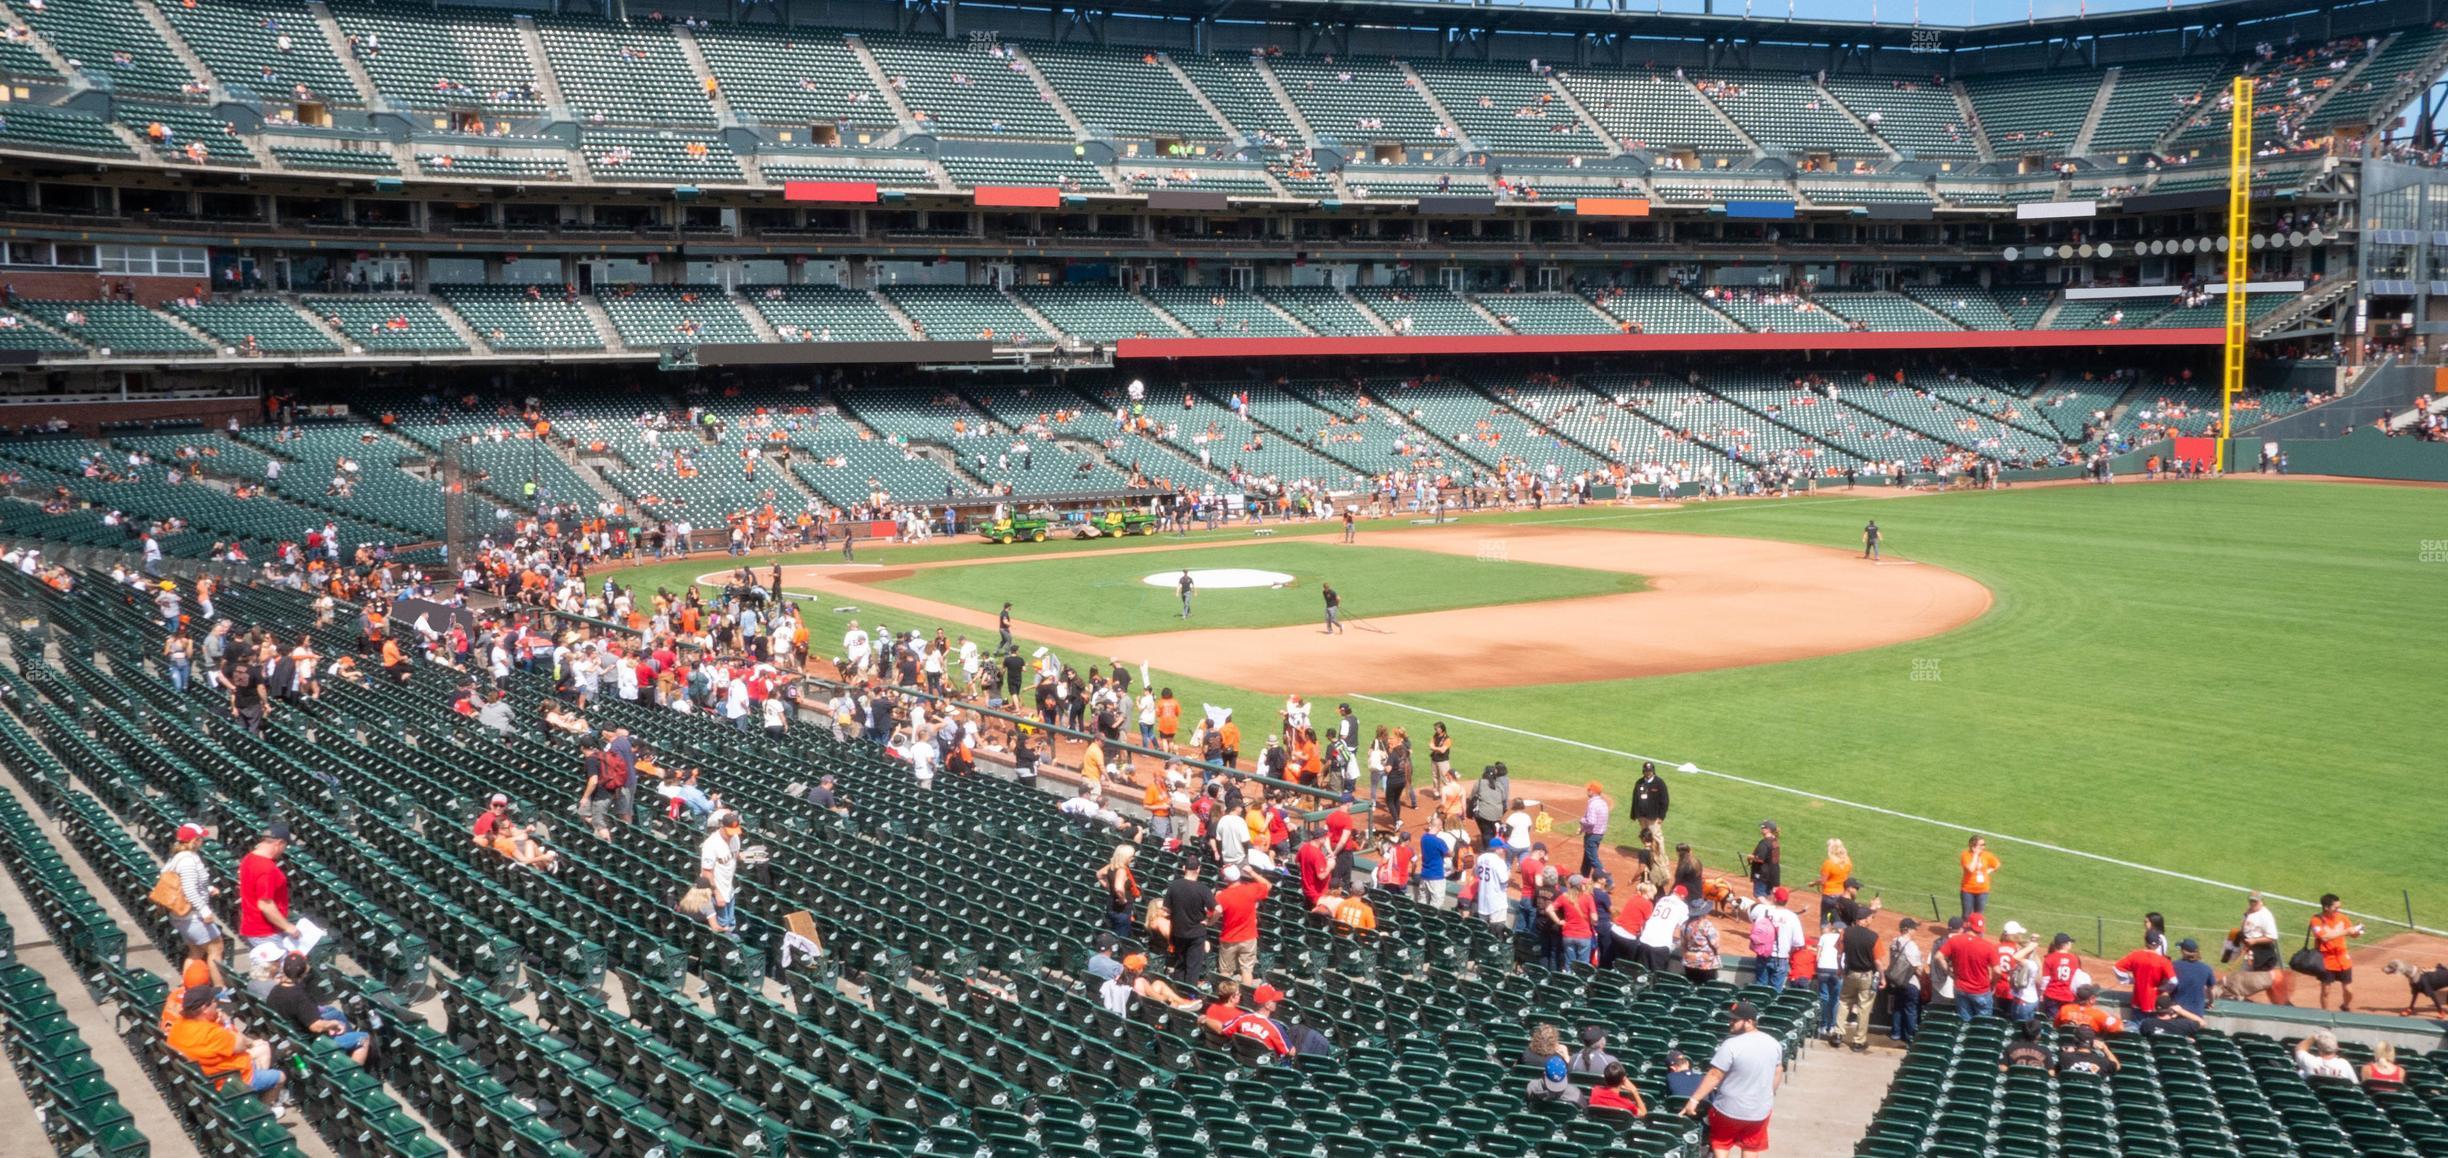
[{"x": 194, "y": 879}]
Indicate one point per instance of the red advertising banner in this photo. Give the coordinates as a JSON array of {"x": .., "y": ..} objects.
[{"x": 837, "y": 192}]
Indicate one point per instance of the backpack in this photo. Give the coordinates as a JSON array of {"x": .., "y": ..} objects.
[
  {"x": 1763, "y": 939},
  {"x": 169, "y": 893},
  {"x": 1899, "y": 967}
]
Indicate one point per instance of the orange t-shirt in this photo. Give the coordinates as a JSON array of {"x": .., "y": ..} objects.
[
  {"x": 1168, "y": 716},
  {"x": 1978, "y": 867},
  {"x": 1354, "y": 913},
  {"x": 1159, "y": 802},
  {"x": 213, "y": 1047},
  {"x": 2329, "y": 932},
  {"x": 2100, "y": 1020},
  {"x": 1832, "y": 875}
]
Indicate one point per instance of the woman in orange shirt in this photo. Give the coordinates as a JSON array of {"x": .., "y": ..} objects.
[
  {"x": 2331, "y": 929},
  {"x": 1833, "y": 873},
  {"x": 1979, "y": 867},
  {"x": 1305, "y": 756},
  {"x": 1168, "y": 719}
]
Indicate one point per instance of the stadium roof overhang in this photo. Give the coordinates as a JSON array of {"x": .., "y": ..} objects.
[{"x": 1598, "y": 17}]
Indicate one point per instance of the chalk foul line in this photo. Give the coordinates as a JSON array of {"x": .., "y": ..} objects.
[{"x": 1916, "y": 818}]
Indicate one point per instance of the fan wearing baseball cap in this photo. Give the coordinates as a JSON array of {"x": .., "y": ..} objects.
[
  {"x": 198, "y": 927},
  {"x": 1742, "y": 1077},
  {"x": 1258, "y": 1023},
  {"x": 496, "y": 810}
]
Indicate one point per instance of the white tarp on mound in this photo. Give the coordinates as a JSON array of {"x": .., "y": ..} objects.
[{"x": 1219, "y": 577}]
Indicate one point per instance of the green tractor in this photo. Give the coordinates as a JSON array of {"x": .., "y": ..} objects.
[
  {"x": 1013, "y": 529},
  {"x": 1116, "y": 524}
]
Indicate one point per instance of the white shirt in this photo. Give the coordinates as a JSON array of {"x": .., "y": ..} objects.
[
  {"x": 2260, "y": 925},
  {"x": 735, "y": 700},
  {"x": 854, "y": 641},
  {"x": 1517, "y": 830},
  {"x": 1493, "y": 873},
  {"x": 721, "y": 861},
  {"x": 1788, "y": 931},
  {"x": 1232, "y": 837},
  {"x": 922, "y": 757},
  {"x": 1664, "y": 922}
]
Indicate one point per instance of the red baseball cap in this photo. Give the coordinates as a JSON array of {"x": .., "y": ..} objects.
[
  {"x": 188, "y": 832},
  {"x": 1266, "y": 994},
  {"x": 1976, "y": 922}
]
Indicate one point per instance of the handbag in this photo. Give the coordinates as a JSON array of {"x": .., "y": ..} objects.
[
  {"x": 2307, "y": 960},
  {"x": 169, "y": 893}
]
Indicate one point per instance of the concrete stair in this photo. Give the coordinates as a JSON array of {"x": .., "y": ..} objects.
[
  {"x": 1044, "y": 324},
  {"x": 1749, "y": 142},
  {"x": 1419, "y": 85},
  {"x": 178, "y": 46},
  {"x": 1383, "y": 326},
  {"x": 2091, "y": 118},
  {"x": 1045, "y": 89},
  {"x": 882, "y": 83},
  {"x": 1197, "y": 94},
  {"x": 41, "y": 47},
  {"x": 367, "y": 94},
  {"x": 756, "y": 318},
  {"x": 1564, "y": 93},
  {"x": 886, "y": 304},
  {"x": 704, "y": 74},
  {"x": 548, "y": 86},
  {"x": 1292, "y": 111},
  {"x": 1971, "y": 120},
  {"x": 603, "y": 323},
  {"x": 460, "y": 326},
  {"x": 1869, "y": 130},
  {"x": 320, "y": 324}
]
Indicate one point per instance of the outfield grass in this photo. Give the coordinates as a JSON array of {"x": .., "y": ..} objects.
[
  {"x": 2226, "y": 680},
  {"x": 1107, "y": 595}
]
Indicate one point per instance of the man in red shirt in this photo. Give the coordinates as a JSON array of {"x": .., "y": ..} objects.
[
  {"x": 2057, "y": 972},
  {"x": 263, "y": 889},
  {"x": 1259, "y": 1025},
  {"x": 1316, "y": 868},
  {"x": 496, "y": 811},
  {"x": 1973, "y": 960},
  {"x": 2148, "y": 972},
  {"x": 1237, "y": 925}
]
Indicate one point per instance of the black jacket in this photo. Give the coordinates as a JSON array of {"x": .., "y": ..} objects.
[{"x": 1649, "y": 798}]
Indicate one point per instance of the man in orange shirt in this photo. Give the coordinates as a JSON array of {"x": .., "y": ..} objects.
[
  {"x": 1980, "y": 866},
  {"x": 1229, "y": 738},
  {"x": 217, "y": 1050},
  {"x": 2085, "y": 1011},
  {"x": 1347, "y": 909},
  {"x": 2331, "y": 929}
]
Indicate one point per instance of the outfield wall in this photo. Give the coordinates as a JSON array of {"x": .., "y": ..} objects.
[{"x": 2365, "y": 453}]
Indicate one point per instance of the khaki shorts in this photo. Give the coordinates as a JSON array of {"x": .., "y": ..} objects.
[{"x": 1238, "y": 959}]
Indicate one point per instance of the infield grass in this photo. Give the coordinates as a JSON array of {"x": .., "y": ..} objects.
[
  {"x": 2229, "y": 680},
  {"x": 1107, "y": 594}
]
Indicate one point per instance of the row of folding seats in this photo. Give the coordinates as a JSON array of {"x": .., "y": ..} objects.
[
  {"x": 376, "y": 161},
  {"x": 110, "y": 39},
  {"x": 379, "y": 491},
  {"x": 78, "y": 1108},
  {"x": 1783, "y": 112},
  {"x": 424, "y": 59},
  {"x": 273, "y": 48},
  {"x": 265, "y": 324},
  {"x": 50, "y": 130},
  {"x": 1883, "y": 311}
]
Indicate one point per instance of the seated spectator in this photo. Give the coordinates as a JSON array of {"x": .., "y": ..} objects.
[
  {"x": 515, "y": 842},
  {"x": 1133, "y": 983},
  {"x": 2169, "y": 1020},
  {"x": 2086, "y": 1012},
  {"x": 1222, "y": 1007},
  {"x": 2317, "y": 1057},
  {"x": 496, "y": 714},
  {"x": 560, "y": 718},
  {"x": 1593, "y": 1058},
  {"x": 222, "y": 1053},
  {"x": 2383, "y": 1072},
  {"x": 1681, "y": 1078},
  {"x": 2026, "y": 1052},
  {"x": 2085, "y": 1053},
  {"x": 1102, "y": 964},
  {"x": 296, "y": 999},
  {"x": 1554, "y": 1084},
  {"x": 1615, "y": 1091},
  {"x": 497, "y": 812}
]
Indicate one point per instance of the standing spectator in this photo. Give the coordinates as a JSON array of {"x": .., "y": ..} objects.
[
  {"x": 1489, "y": 876},
  {"x": 2256, "y": 940},
  {"x": 1663, "y": 930},
  {"x": 1438, "y": 852},
  {"x": 1785, "y": 937},
  {"x": 2147, "y": 972},
  {"x": 263, "y": 888},
  {"x": 200, "y": 929},
  {"x": 2057, "y": 972},
  {"x": 1237, "y": 925},
  {"x": 1973, "y": 963},
  {"x": 1859, "y": 948},
  {"x": 1980, "y": 866},
  {"x": 1575, "y": 915},
  {"x": 1488, "y": 801},
  {"x": 1907, "y": 965},
  {"x": 1827, "y": 960},
  {"x": 2193, "y": 978},
  {"x": 1649, "y": 800},
  {"x": 2331, "y": 929},
  {"x": 1595, "y": 816},
  {"x": 718, "y": 868},
  {"x": 1833, "y": 873},
  {"x": 1767, "y": 861},
  {"x": 1742, "y": 1077},
  {"x": 1189, "y": 904},
  {"x": 1121, "y": 889}
]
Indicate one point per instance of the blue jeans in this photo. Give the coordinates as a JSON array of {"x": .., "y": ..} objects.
[
  {"x": 1974, "y": 903},
  {"x": 264, "y": 1080},
  {"x": 1831, "y": 988},
  {"x": 1906, "y": 1016},
  {"x": 2023, "y": 1010},
  {"x": 1971, "y": 1005},
  {"x": 726, "y": 914},
  {"x": 1772, "y": 971},
  {"x": 179, "y": 671},
  {"x": 1577, "y": 950},
  {"x": 1589, "y": 850}
]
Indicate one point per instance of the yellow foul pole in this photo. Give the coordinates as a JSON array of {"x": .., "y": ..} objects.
[{"x": 2239, "y": 206}]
